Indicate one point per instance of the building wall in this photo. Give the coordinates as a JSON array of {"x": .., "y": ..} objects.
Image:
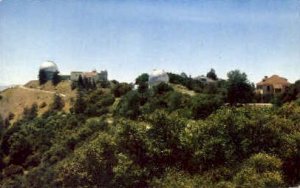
[
  {"x": 75, "y": 76},
  {"x": 49, "y": 75},
  {"x": 269, "y": 89},
  {"x": 102, "y": 76}
]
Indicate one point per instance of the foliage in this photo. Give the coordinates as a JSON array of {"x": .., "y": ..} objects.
[
  {"x": 143, "y": 78},
  {"x": 212, "y": 74},
  {"x": 129, "y": 105},
  {"x": 120, "y": 89},
  {"x": 203, "y": 105},
  {"x": 57, "y": 103},
  {"x": 239, "y": 88},
  {"x": 30, "y": 113},
  {"x": 155, "y": 138}
]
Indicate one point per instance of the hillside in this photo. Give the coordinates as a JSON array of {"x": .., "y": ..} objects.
[
  {"x": 15, "y": 99},
  {"x": 159, "y": 136}
]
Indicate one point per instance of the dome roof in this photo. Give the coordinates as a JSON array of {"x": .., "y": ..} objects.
[
  {"x": 158, "y": 76},
  {"x": 49, "y": 66}
]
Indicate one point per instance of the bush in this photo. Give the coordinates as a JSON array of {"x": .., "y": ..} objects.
[
  {"x": 261, "y": 170},
  {"x": 121, "y": 89},
  {"x": 129, "y": 105},
  {"x": 203, "y": 105}
]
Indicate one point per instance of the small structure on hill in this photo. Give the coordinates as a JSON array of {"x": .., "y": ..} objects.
[
  {"x": 272, "y": 85},
  {"x": 205, "y": 79},
  {"x": 49, "y": 68},
  {"x": 91, "y": 76},
  {"x": 157, "y": 77}
]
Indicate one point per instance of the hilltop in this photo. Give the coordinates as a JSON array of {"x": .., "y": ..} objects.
[
  {"x": 169, "y": 134},
  {"x": 15, "y": 99}
]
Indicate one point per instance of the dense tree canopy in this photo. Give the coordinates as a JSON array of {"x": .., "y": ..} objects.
[{"x": 157, "y": 137}]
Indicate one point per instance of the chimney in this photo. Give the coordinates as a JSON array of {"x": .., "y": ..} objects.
[{"x": 265, "y": 78}]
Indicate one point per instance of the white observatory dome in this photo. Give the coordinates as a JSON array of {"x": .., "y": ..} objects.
[
  {"x": 49, "y": 66},
  {"x": 158, "y": 76}
]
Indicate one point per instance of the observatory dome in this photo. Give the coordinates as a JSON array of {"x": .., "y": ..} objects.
[
  {"x": 49, "y": 66},
  {"x": 158, "y": 76}
]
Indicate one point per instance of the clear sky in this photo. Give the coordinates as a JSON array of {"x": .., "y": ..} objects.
[{"x": 131, "y": 37}]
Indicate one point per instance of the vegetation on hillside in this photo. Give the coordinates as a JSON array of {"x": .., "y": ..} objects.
[{"x": 155, "y": 137}]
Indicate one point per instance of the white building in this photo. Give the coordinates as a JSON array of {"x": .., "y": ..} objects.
[
  {"x": 157, "y": 77},
  {"x": 94, "y": 75},
  {"x": 49, "y": 67}
]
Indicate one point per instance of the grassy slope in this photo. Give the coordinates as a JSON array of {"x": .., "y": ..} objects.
[
  {"x": 15, "y": 99},
  {"x": 183, "y": 89}
]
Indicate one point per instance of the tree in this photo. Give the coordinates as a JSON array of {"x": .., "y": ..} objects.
[
  {"x": 30, "y": 113},
  {"x": 129, "y": 105},
  {"x": 56, "y": 78},
  {"x": 204, "y": 105},
  {"x": 42, "y": 77},
  {"x": 212, "y": 74},
  {"x": 292, "y": 93},
  {"x": 143, "y": 78},
  {"x": 120, "y": 89},
  {"x": 58, "y": 103},
  {"x": 239, "y": 89},
  {"x": 80, "y": 105},
  {"x": 80, "y": 82}
]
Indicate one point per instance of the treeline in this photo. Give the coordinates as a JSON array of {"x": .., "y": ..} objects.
[{"x": 120, "y": 136}]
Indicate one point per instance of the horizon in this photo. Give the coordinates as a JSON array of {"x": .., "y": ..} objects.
[{"x": 260, "y": 38}]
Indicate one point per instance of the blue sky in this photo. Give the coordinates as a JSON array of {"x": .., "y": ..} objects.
[{"x": 131, "y": 37}]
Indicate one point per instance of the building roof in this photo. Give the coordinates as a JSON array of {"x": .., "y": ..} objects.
[
  {"x": 274, "y": 80},
  {"x": 49, "y": 66},
  {"x": 90, "y": 74},
  {"x": 204, "y": 79}
]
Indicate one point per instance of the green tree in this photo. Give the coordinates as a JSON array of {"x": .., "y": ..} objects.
[
  {"x": 239, "y": 89},
  {"x": 30, "y": 113},
  {"x": 120, "y": 89},
  {"x": 261, "y": 170},
  {"x": 80, "y": 104},
  {"x": 42, "y": 77},
  {"x": 143, "y": 78},
  {"x": 80, "y": 82},
  {"x": 58, "y": 103},
  {"x": 129, "y": 105},
  {"x": 203, "y": 105},
  {"x": 212, "y": 74},
  {"x": 56, "y": 78}
]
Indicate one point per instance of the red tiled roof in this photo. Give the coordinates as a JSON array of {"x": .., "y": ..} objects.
[{"x": 274, "y": 80}]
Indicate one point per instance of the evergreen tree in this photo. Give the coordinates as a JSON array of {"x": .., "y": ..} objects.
[
  {"x": 212, "y": 74},
  {"x": 56, "y": 78},
  {"x": 58, "y": 103},
  {"x": 30, "y": 113},
  {"x": 143, "y": 78},
  {"x": 239, "y": 89},
  {"x": 80, "y": 105},
  {"x": 42, "y": 77},
  {"x": 80, "y": 82}
]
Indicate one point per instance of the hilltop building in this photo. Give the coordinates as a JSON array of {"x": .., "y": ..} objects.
[
  {"x": 272, "y": 85},
  {"x": 92, "y": 76},
  {"x": 50, "y": 68},
  {"x": 205, "y": 79},
  {"x": 157, "y": 77}
]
